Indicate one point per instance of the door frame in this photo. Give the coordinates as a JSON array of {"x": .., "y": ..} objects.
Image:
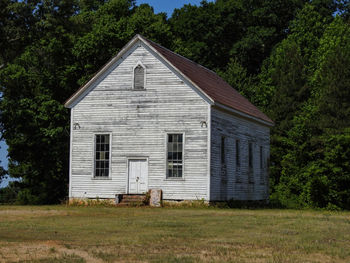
[{"x": 128, "y": 159}]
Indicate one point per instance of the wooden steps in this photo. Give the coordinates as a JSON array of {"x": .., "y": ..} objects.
[{"x": 132, "y": 200}]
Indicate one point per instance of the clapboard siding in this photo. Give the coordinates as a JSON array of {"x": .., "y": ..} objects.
[
  {"x": 236, "y": 184},
  {"x": 138, "y": 121}
]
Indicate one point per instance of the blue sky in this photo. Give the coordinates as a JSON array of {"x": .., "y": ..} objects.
[{"x": 166, "y": 6}]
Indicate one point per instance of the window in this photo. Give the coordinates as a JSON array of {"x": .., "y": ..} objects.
[
  {"x": 238, "y": 162},
  {"x": 250, "y": 153},
  {"x": 139, "y": 77},
  {"x": 262, "y": 172},
  {"x": 222, "y": 149},
  {"x": 261, "y": 158},
  {"x": 102, "y": 150},
  {"x": 174, "y": 155}
]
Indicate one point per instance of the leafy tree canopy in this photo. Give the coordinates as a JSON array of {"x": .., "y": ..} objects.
[{"x": 291, "y": 58}]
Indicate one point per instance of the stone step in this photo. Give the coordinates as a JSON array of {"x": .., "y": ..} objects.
[
  {"x": 130, "y": 204},
  {"x": 133, "y": 197},
  {"x": 131, "y": 200}
]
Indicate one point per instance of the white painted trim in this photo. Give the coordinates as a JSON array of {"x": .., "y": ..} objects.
[
  {"x": 139, "y": 63},
  {"x": 166, "y": 178},
  {"x": 71, "y": 100},
  {"x": 109, "y": 177},
  {"x": 70, "y": 152},
  {"x": 128, "y": 158},
  {"x": 209, "y": 151},
  {"x": 244, "y": 115}
]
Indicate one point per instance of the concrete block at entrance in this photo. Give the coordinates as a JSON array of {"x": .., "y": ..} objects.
[{"x": 155, "y": 198}]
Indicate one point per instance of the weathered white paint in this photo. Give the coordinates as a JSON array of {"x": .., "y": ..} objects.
[
  {"x": 209, "y": 152},
  {"x": 138, "y": 121},
  {"x": 240, "y": 182},
  {"x": 101, "y": 74},
  {"x": 70, "y": 152},
  {"x": 138, "y": 176}
]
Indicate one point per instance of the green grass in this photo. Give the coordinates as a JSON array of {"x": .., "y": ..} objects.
[{"x": 102, "y": 234}]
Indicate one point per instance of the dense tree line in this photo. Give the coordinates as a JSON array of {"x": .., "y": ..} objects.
[{"x": 291, "y": 58}]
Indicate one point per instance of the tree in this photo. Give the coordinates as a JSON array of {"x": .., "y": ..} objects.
[
  {"x": 16, "y": 23},
  {"x": 245, "y": 31},
  {"x": 69, "y": 44},
  {"x": 315, "y": 170}
]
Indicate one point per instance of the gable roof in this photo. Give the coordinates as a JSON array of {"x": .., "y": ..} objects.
[{"x": 208, "y": 82}]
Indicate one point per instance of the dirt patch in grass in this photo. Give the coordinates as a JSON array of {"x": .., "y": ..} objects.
[{"x": 42, "y": 251}]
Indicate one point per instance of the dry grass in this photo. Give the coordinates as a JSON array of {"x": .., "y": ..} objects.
[{"x": 102, "y": 234}]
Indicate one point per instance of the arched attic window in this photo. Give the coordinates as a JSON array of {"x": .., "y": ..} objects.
[{"x": 139, "y": 77}]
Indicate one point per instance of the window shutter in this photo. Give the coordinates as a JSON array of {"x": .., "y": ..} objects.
[{"x": 139, "y": 77}]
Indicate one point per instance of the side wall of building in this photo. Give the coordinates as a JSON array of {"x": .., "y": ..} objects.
[
  {"x": 138, "y": 121},
  {"x": 232, "y": 179}
]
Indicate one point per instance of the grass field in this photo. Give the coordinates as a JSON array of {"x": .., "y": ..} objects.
[{"x": 98, "y": 234}]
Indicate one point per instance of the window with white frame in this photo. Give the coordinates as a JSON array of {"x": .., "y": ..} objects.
[
  {"x": 139, "y": 77},
  {"x": 102, "y": 154},
  {"x": 174, "y": 155}
]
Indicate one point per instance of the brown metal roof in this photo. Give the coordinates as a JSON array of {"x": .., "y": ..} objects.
[{"x": 209, "y": 82}]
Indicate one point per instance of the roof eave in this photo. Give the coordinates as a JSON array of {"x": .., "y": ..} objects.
[
  {"x": 70, "y": 101},
  {"x": 244, "y": 115},
  {"x": 80, "y": 91}
]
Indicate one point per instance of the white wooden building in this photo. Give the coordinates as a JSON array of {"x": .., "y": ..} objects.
[{"x": 152, "y": 119}]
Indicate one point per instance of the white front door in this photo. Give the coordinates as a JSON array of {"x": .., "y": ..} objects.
[{"x": 138, "y": 176}]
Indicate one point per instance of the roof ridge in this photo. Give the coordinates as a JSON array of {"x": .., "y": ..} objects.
[
  {"x": 208, "y": 82},
  {"x": 193, "y": 62}
]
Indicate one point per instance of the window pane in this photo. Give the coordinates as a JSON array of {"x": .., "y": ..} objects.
[
  {"x": 175, "y": 172},
  {"x": 139, "y": 77},
  {"x": 174, "y": 154},
  {"x": 102, "y": 155},
  {"x": 238, "y": 163},
  {"x": 250, "y": 155}
]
